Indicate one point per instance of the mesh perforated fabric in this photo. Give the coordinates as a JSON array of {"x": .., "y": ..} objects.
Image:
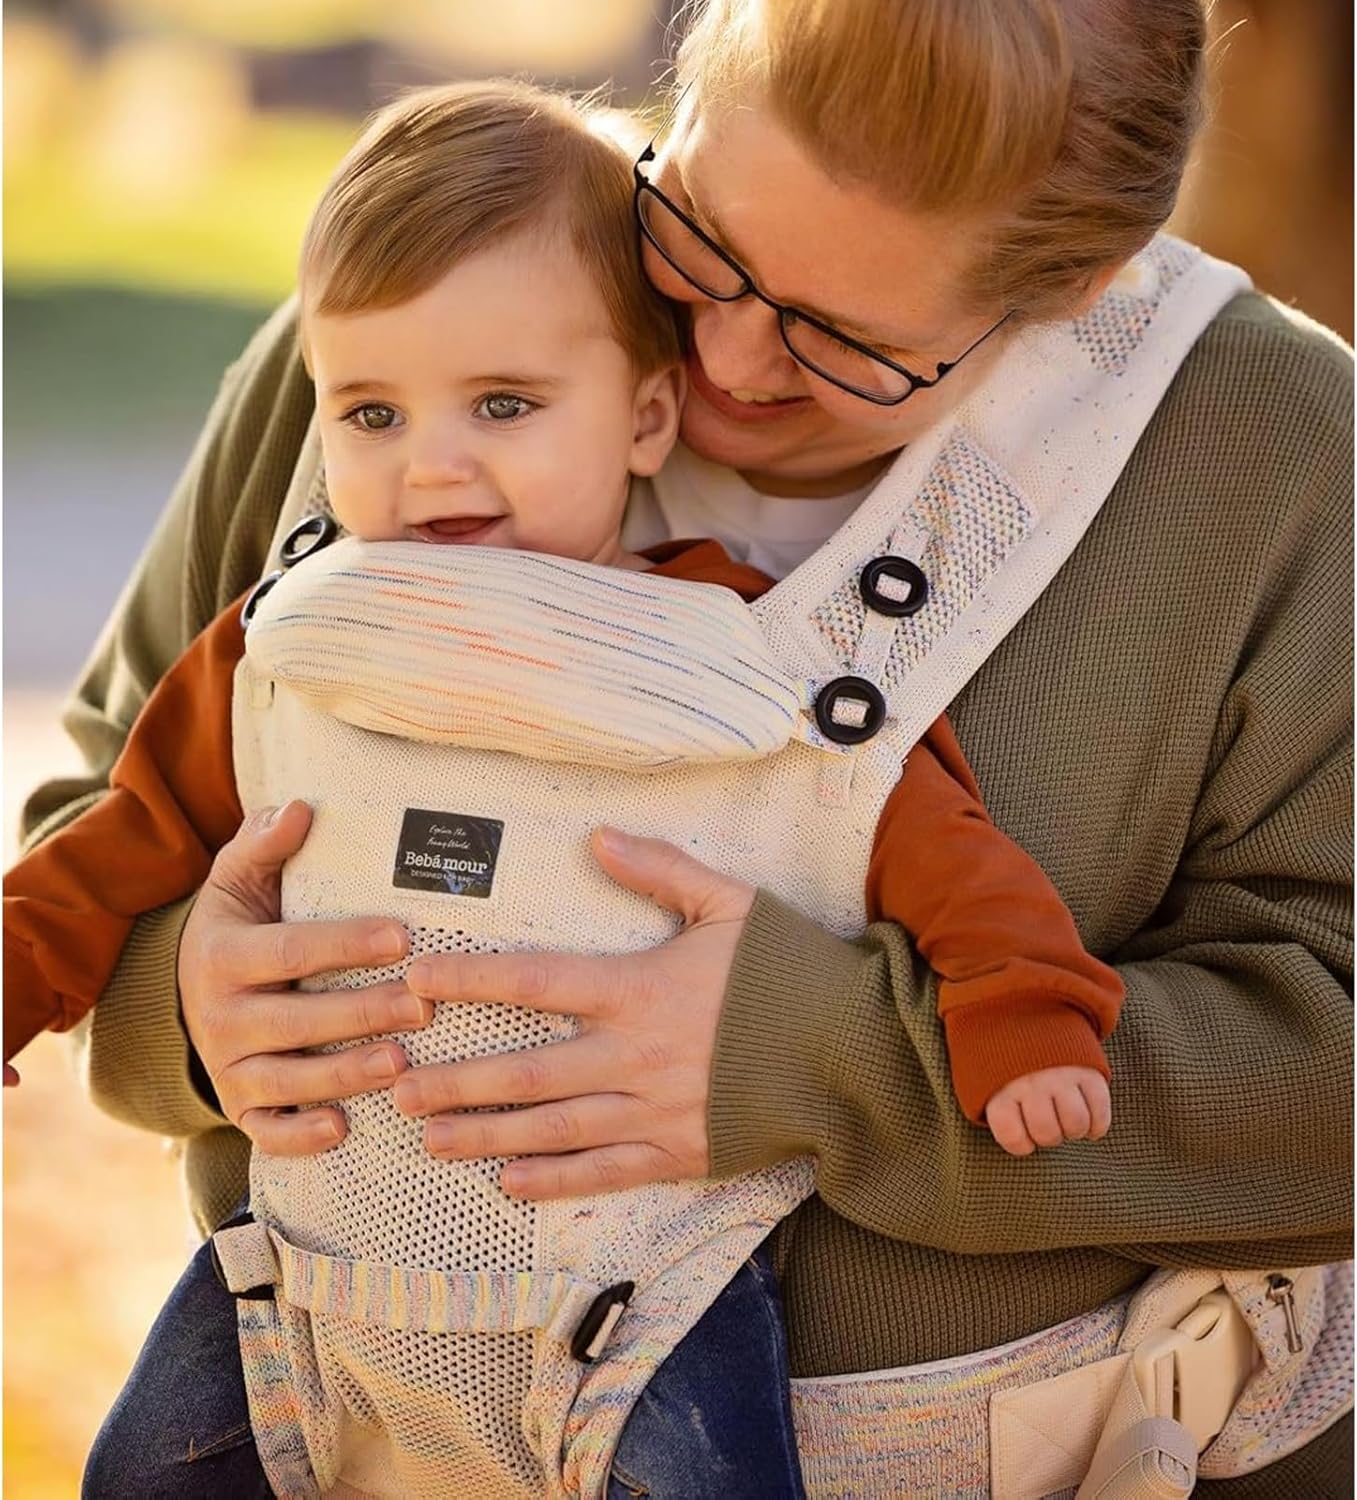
[
  {"x": 799, "y": 822},
  {"x": 381, "y": 1198}
]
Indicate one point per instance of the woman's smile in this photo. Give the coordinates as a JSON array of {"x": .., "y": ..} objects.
[{"x": 747, "y": 406}]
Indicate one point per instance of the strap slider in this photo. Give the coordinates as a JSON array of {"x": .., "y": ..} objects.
[
  {"x": 599, "y": 1320},
  {"x": 262, "y": 1291}
]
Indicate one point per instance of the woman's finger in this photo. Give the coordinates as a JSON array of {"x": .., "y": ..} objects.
[
  {"x": 671, "y": 877},
  {"x": 280, "y": 1132},
  {"x": 244, "y": 879},
  {"x": 281, "y": 1079},
  {"x": 563, "y": 1070},
  {"x": 562, "y": 983},
  {"x": 289, "y": 1020},
  {"x": 575, "y": 984},
  {"x": 572, "y": 1125},
  {"x": 274, "y": 953},
  {"x": 608, "y": 1169}
]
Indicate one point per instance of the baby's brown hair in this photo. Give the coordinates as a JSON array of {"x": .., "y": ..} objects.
[{"x": 443, "y": 172}]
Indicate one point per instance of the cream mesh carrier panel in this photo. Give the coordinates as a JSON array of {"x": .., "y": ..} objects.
[{"x": 375, "y": 680}]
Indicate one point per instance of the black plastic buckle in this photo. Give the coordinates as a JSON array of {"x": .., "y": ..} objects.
[
  {"x": 594, "y": 1317},
  {"x": 263, "y": 1293},
  {"x": 862, "y": 691},
  {"x": 256, "y": 594},
  {"x": 902, "y": 571},
  {"x": 309, "y": 535}
]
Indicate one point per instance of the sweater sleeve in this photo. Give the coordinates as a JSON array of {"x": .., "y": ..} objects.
[
  {"x": 1017, "y": 992},
  {"x": 210, "y": 545},
  {"x": 171, "y": 804}
]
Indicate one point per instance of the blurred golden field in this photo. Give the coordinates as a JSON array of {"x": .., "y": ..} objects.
[{"x": 95, "y": 1232}]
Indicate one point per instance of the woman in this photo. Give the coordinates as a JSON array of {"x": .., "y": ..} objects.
[{"x": 1168, "y": 739}]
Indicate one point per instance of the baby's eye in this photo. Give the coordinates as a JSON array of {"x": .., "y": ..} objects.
[
  {"x": 372, "y": 416},
  {"x": 499, "y": 406}
]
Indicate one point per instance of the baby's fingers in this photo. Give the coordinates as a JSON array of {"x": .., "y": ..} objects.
[
  {"x": 1004, "y": 1118},
  {"x": 1038, "y": 1113},
  {"x": 1072, "y": 1111},
  {"x": 1099, "y": 1100}
]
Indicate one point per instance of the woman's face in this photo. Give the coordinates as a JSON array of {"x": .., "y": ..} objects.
[{"x": 892, "y": 278}]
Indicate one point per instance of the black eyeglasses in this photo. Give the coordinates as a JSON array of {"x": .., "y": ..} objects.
[{"x": 827, "y": 351}]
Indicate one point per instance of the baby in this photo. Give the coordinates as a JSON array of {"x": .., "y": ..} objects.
[{"x": 492, "y": 371}]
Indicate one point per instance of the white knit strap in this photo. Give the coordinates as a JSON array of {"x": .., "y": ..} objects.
[{"x": 1003, "y": 489}]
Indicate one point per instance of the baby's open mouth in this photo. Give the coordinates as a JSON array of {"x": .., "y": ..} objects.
[{"x": 457, "y": 528}]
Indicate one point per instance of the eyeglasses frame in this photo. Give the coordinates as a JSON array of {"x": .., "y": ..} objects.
[{"x": 785, "y": 311}]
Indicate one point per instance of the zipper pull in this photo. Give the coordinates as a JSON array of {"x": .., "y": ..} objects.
[{"x": 1281, "y": 1291}]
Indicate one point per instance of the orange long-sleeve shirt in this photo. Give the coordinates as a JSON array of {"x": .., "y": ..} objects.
[{"x": 1017, "y": 991}]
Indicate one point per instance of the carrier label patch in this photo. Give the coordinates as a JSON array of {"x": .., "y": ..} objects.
[{"x": 447, "y": 854}]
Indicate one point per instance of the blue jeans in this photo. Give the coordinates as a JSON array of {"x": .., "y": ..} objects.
[
  {"x": 180, "y": 1430},
  {"x": 714, "y": 1421}
]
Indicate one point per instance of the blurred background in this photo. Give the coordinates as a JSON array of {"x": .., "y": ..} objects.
[{"x": 161, "y": 157}]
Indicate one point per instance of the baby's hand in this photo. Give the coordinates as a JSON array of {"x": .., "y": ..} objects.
[{"x": 1046, "y": 1108}]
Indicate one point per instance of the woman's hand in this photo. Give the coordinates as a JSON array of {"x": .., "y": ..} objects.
[
  {"x": 236, "y": 961},
  {"x": 625, "y": 1101}
]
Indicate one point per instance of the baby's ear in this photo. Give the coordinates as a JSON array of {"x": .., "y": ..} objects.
[{"x": 655, "y": 418}]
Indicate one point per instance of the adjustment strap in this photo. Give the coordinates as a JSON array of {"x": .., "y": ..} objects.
[{"x": 399, "y": 1297}]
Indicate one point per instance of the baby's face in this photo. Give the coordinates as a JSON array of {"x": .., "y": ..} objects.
[{"x": 495, "y": 409}]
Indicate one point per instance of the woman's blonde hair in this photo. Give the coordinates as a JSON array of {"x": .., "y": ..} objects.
[
  {"x": 444, "y": 172},
  {"x": 1061, "y": 125}
]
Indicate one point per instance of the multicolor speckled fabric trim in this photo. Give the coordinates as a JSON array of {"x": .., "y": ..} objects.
[
  {"x": 924, "y": 1431},
  {"x": 552, "y": 658},
  {"x": 1292, "y": 1397},
  {"x": 275, "y": 1402}
]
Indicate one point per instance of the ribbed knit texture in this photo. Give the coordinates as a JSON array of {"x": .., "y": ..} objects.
[
  {"x": 658, "y": 672},
  {"x": 1166, "y": 731},
  {"x": 1320, "y": 1471}
]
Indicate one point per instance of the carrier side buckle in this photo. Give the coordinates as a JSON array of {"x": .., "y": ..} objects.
[{"x": 599, "y": 1320}]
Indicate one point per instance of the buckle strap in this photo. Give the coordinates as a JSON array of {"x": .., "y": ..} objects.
[
  {"x": 433, "y": 1301},
  {"x": 1156, "y": 1459},
  {"x": 255, "y": 1261}
]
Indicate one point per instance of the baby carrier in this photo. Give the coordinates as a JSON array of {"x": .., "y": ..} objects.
[{"x": 461, "y": 720}]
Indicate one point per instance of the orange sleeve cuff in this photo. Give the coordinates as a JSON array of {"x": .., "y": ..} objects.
[{"x": 990, "y": 1046}]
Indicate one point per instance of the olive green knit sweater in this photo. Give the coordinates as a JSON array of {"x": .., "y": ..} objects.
[{"x": 1167, "y": 731}]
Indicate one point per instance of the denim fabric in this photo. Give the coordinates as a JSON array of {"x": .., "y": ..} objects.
[
  {"x": 180, "y": 1429},
  {"x": 716, "y": 1419}
]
